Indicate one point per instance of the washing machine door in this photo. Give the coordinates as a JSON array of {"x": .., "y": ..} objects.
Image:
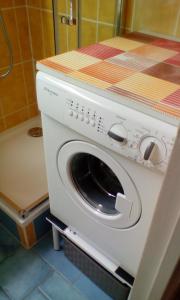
[{"x": 98, "y": 184}]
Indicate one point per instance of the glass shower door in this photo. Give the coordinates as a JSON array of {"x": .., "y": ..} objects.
[{"x": 79, "y": 23}]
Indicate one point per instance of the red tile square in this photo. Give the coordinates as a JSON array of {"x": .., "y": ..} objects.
[
  {"x": 107, "y": 72},
  {"x": 100, "y": 51},
  {"x": 175, "y": 60},
  {"x": 164, "y": 71},
  {"x": 173, "y": 99},
  {"x": 168, "y": 44}
]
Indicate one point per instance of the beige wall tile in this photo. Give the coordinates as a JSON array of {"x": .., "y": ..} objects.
[
  {"x": 48, "y": 33},
  {"x": 72, "y": 37},
  {"x": 89, "y": 9},
  {"x": 178, "y": 27},
  {"x": 47, "y": 4},
  {"x": 9, "y": 17},
  {"x": 107, "y": 10},
  {"x": 63, "y": 37},
  {"x": 36, "y": 33},
  {"x": 88, "y": 33},
  {"x": 61, "y": 6},
  {"x": 12, "y": 92},
  {"x": 16, "y": 118},
  {"x": 156, "y": 16},
  {"x": 23, "y": 33},
  {"x": 105, "y": 32}
]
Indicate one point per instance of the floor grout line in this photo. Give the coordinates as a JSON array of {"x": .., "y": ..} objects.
[{"x": 44, "y": 293}]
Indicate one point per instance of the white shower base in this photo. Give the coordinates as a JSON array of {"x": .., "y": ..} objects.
[{"x": 23, "y": 184}]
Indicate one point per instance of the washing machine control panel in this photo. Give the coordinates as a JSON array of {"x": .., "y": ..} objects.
[
  {"x": 132, "y": 134},
  {"x": 139, "y": 137}
]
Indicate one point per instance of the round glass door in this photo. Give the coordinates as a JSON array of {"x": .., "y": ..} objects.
[{"x": 96, "y": 182}]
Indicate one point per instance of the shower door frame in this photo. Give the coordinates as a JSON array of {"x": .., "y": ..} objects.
[{"x": 118, "y": 24}]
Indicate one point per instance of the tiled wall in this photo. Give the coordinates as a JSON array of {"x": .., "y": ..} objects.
[
  {"x": 30, "y": 27},
  {"x": 97, "y": 22},
  {"x": 154, "y": 17}
]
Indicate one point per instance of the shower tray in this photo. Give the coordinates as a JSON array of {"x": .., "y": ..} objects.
[{"x": 23, "y": 184}]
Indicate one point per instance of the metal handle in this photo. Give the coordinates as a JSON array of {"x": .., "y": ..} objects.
[
  {"x": 71, "y": 21},
  {"x": 148, "y": 151}
]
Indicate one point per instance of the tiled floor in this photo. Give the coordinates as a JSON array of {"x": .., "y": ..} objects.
[{"x": 41, "y": 273}]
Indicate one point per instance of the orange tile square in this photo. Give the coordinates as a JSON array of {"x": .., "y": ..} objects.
[
  {"x": 90, "y": 80},
  {"x": 107, "y": 72},
  {"x": 153, "y": 52},
  {"x": 148, "y": 86}
]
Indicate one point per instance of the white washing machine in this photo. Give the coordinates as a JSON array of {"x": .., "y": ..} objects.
[{"x": 105, "y": 166}]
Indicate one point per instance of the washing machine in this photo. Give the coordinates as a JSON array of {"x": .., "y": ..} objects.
[{"x": 105, "y": 165}]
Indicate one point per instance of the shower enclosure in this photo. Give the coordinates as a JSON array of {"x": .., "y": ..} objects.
[{"x": 78, "y": 23}]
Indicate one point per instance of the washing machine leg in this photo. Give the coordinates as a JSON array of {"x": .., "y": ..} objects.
[{"x": 56, "y": 238}]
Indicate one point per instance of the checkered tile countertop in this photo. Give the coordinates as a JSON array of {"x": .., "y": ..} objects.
[{"x": 142, "y": 68}]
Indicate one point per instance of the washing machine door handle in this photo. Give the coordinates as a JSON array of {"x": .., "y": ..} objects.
[{"x": 123, "y": 205}]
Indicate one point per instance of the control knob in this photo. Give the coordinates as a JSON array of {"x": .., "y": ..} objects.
[
  {"x": 152, "y": 150},
  {"x": 118, "y": 133}
]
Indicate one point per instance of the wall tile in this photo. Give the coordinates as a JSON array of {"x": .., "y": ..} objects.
[
  {"x": 34, "y": 3},
  {"x": 47, "y": 4},
  {"x": 158, "y": 16},
  {"x": 16, "y": 118},
  {"x": 36, "y": 33},
  {"x": 105, "y": 32},
  {"x": 72, "y": 37},
  {"x": 2, "y": 126},
  {"x": 12, "y": 91},
  {"x": 29, "y": 82},
  {"x": 63, "y": 37},
  {"x": 178, "y": 28},
  {"x": 48, "y": 33},
  {"x": 23, "y": 32},
  {"x": 61, "y": 6},
  {"x": 33, "y": 110},
  {"x": 19, "y": 2},
  {"x": 9, "y": 17},
  {"x": 6, "y": 3},
  {"x": 107, "y": 11},
  {"x": 89, "y": 9},
  {"x": 88, "y": 33}
]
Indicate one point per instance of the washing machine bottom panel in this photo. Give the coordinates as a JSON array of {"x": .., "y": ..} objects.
[{"x": 123, "y": 247}]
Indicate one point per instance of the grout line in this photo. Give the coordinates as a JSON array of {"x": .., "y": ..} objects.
[
  {"x": 177, "y": 22},
  {"x": 43, "y": 33},
  {"x": 97, "y": 20},
  {"x": 22, "y": 67},
  {"x": 67, "y": 31},
  {"x": 44, "y": 293},
  {"x": 17, "y": 64},
  {"x": 12, "y": 7},
  {"x": 133, "y": 15},
  {"x": 5, "y": 292},
  {"x": 27, "y": 106},
  {"x": 30, "y": 41},
  {"x": 40, "y": 8}
]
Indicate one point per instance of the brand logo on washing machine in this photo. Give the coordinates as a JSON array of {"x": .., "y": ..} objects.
[{"x": 50, "y": 92}]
